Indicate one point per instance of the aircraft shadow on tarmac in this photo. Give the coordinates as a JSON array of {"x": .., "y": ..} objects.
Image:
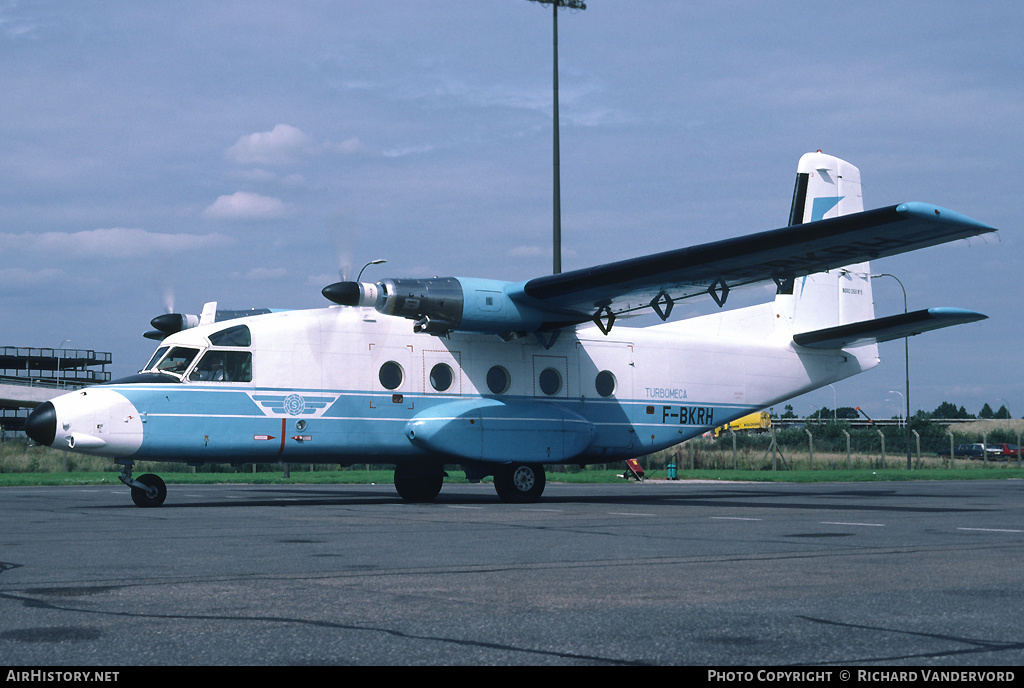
[{"x": 789, "y": 498}]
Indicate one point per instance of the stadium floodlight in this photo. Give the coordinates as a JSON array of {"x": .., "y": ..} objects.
[{"x": 557, "y": 211}]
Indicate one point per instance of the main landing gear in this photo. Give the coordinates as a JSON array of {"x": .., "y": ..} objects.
[
  {"x": 148, "y": 490},
  {"x": 517, "y": 483},
  {"x": 418, "y": 483}
]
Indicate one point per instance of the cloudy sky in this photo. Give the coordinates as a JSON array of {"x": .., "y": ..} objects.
[{"x": 166, "y": 153}]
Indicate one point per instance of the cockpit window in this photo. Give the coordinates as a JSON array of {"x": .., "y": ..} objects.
[
  {"x": 223, "y": 366},
  {"x": 177, "y": 360},
  {"x": 232, "y": 336},
  {"x": 156, "y": 357}
]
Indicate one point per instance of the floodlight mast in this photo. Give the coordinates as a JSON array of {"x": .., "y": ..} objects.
[{"x": 557, "y": 210}]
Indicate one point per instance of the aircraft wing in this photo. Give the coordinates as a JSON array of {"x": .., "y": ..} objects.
[
  {"x": 713, "y": 268},
  {"x": 601, "y": 293}
]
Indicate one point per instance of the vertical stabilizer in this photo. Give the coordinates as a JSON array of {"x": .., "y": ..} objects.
[{"x": 826, "y": 187}]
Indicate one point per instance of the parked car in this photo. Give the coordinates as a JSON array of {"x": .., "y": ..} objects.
[
  {"x": 1005, "y": 451},
  {"x": 975, "y": 450}
]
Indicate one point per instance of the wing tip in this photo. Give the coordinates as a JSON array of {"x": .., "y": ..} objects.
[
  {"x": 958, "y": 315},
  {"x": 935, "y": 212}
]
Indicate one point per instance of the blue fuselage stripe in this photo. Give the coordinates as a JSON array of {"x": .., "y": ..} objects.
[{"x": 207, "y": 423}]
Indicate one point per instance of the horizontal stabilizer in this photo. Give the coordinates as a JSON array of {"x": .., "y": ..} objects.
[{"x": 885, "y": 329}]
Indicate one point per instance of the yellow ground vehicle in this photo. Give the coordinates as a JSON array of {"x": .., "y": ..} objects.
[{"x": 759, "y": 421}]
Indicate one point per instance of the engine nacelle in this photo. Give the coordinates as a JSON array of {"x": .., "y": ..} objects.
[
  {"x": 439, "y": 305},
  {"x": 169, "y": 323}
]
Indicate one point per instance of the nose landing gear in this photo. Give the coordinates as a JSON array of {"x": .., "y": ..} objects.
[{"x": 148, "y": 490}]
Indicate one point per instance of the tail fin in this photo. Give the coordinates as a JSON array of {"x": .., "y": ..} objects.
[{"x": 826, "y": 187}]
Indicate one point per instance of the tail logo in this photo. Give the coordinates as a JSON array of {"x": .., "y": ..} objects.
[{"x": 823, "y": 205}]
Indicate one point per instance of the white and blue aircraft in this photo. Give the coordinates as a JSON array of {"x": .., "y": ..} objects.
[{"x": 502, "y": 378}]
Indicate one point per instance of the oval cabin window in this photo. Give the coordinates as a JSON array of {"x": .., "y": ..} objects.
[
  {"x": 498, "y": 380},
  {"x": 441, "y": 377},
  {"x": 391, "y": 375},
  {"x": 605, "y": 383},
  {"x": 550, "y": 381}
]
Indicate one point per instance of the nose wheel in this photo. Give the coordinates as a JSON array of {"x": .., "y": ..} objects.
[{"x": 148, "y": 490}]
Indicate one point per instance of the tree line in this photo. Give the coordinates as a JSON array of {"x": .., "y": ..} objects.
[{"x": 945, "y": 410}]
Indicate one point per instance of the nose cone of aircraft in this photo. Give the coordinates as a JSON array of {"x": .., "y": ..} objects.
[{"x": 41, "y": 424}]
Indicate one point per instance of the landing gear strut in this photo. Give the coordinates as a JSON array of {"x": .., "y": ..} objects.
[
  {"x": 148, "y": 490},
  {"x": 519, "y": 482}
]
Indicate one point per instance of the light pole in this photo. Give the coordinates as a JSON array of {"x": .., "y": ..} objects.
[
  {"x": 377, "y": 261},
  {"x": 1006, "y": 405},
  {"x": 58, "y": 379},
  {"x": 557, "y": 192},
  {"x": 896, "y": 391},
  {"x": 906, "y": 359}
]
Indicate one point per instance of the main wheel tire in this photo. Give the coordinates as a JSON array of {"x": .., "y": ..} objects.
[
  {"x": 418, "y": 486},
  {"x": 142, "y": 498},
  {"x": 520, "y": 483}
]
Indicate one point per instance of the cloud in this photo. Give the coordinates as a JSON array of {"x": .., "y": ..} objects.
[
  {"x": 261, "y": 274},
  {"x": 282, "y": 145},
  {"x": 346, "y": 147},
  {"x": 117, "y": 242},
  {"x": 244, "y": 205},
  {"x": 14, "y": 280},
  {"x": 408, "y": 150},
  {"x": 528, "y": 252},
  {"x": 322, "y": 280}
]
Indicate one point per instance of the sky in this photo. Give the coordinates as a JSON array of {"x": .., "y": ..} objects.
[{"x": 164, "y": 154}]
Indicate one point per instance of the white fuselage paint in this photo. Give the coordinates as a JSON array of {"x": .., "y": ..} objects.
[{"x": 316, "y": 392}]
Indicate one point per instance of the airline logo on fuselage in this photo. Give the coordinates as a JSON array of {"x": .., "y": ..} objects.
[
  {"x": 292, "y": 404},
  {"x": 665, "y": 392}
]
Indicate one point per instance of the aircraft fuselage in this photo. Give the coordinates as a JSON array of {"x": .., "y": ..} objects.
[{"x": 347, "y": 385}]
